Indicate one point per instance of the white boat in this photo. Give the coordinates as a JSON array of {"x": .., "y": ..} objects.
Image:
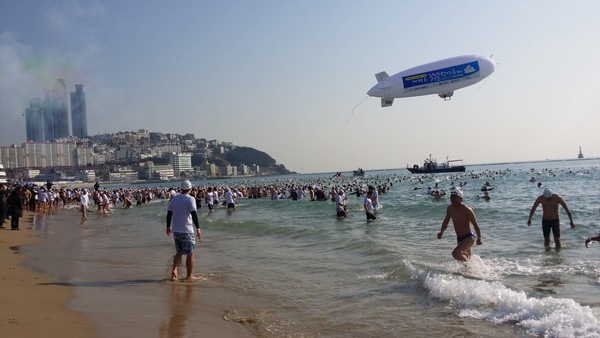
[{"x": 2, "y": 174}]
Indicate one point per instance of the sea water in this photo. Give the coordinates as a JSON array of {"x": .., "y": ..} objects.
[{"x": 291, "y": 269}]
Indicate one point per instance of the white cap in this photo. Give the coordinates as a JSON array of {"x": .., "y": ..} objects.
[
  {"x": 456, "y": 192},
  {"x": 186, "y": 185},
  {"x": 547, "y": 193}
]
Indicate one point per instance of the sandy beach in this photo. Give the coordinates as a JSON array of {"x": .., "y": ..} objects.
[
  {"x": 31, "y": 304},
  {"x": 36, "y": 305}
]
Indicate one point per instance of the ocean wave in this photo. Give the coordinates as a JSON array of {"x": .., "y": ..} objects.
[{"x": 493, "y": 301}]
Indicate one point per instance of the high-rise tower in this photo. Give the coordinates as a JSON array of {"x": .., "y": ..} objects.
[
  {"x": 55, "y": 112},
  {"x": 34, "y": 121},
  {"x": 78, "y": 112},
  {"x": 48, "y": 120},
  {"x": 60, "y": 109}
]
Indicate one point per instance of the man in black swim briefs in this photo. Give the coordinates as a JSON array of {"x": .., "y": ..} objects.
[
  {"x": 550, "y": 216},
  {"x": 460, "y": 238},
  {"x": 551, "y": 225},
  {"x": 462, "y": 217}
]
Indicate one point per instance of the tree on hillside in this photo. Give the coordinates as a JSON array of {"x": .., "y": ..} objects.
[{"x": 249, "y": 156}]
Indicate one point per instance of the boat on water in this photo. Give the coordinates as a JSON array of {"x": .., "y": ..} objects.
[
  {"x": 2, "y": 174},
  {"x": 431, "y": 166},
  {"x": 358, "y": 172}
]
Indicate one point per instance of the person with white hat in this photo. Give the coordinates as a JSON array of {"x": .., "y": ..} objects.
[
  {"x": 182, "y": 211},
  {"x": 462, "y": 217},
  {"x": 230, "y": 199},
  {"x": 550, "y": 218}
]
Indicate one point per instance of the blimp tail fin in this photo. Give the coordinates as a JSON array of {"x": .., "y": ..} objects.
[
  {"x": 381, "y": 76},
  {"x": 386, "y": 102}
]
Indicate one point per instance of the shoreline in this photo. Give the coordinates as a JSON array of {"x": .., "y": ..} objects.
[{"x": 33, "y": 304}]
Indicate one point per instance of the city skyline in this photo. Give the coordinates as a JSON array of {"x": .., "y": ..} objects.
[
  {"x": 132, "y": 156},
  {"x": 291, "y": 78},
  {"x": 48, "y": 119}
]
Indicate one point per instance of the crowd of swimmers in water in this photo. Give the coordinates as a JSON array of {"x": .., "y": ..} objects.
[{"x": 47, "y": 199}]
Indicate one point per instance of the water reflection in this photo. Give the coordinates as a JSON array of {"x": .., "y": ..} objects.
[{"x": 176, "y": 324}]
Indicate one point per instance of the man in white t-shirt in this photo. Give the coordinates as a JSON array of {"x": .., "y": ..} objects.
[
  {"x": 340, "y": 204},
  {"x": 374, "y": 197},
  {"x": 368, "y": 204},
  {"x": 209, "y": 199},
  {"x": 229, "y": 199},
  {"x": 215, "y": 196},
  {"x": 43, "y": 201},
  {"x": 183, "y": 213},
  {"x": 84, "y": 201}
]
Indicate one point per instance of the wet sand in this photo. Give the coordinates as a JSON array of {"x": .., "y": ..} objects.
[
  {"x": 36, "y": 305},
  {"x": 31, "y": 305}
]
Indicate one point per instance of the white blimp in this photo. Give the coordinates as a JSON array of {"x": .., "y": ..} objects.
[{"x": 441, "y": 77}]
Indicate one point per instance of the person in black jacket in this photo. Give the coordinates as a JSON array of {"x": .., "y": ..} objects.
[
  {"x": 3, "y": 208},
  {"x": 15, "y": 205}
]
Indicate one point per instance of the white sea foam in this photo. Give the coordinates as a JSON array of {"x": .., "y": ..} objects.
[
  {"x": 376, "y": 276},
  {"x": 492, "y": 301},
  {"x": 475, "y": 268}
]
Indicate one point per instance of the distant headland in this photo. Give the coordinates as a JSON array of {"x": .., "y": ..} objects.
[{"x": 134, "y": 156}]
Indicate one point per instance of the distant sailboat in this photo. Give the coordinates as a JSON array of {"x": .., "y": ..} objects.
[{"x": 580, "y": 155}]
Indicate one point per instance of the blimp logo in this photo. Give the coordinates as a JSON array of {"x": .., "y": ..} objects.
[{"x": 441, "y": 77}]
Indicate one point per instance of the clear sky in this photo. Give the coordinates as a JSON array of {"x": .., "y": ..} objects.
[{"x": 283, "y": 76}]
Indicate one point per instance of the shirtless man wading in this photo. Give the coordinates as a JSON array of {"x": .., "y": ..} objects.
[
  {"x": 550, "y": 219},
  {"x": 462, "y": 217}
]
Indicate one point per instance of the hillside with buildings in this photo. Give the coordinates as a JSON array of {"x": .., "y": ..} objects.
[
  {"x": 59, "y": 151},
  {"x": 134, "y": 156}
]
